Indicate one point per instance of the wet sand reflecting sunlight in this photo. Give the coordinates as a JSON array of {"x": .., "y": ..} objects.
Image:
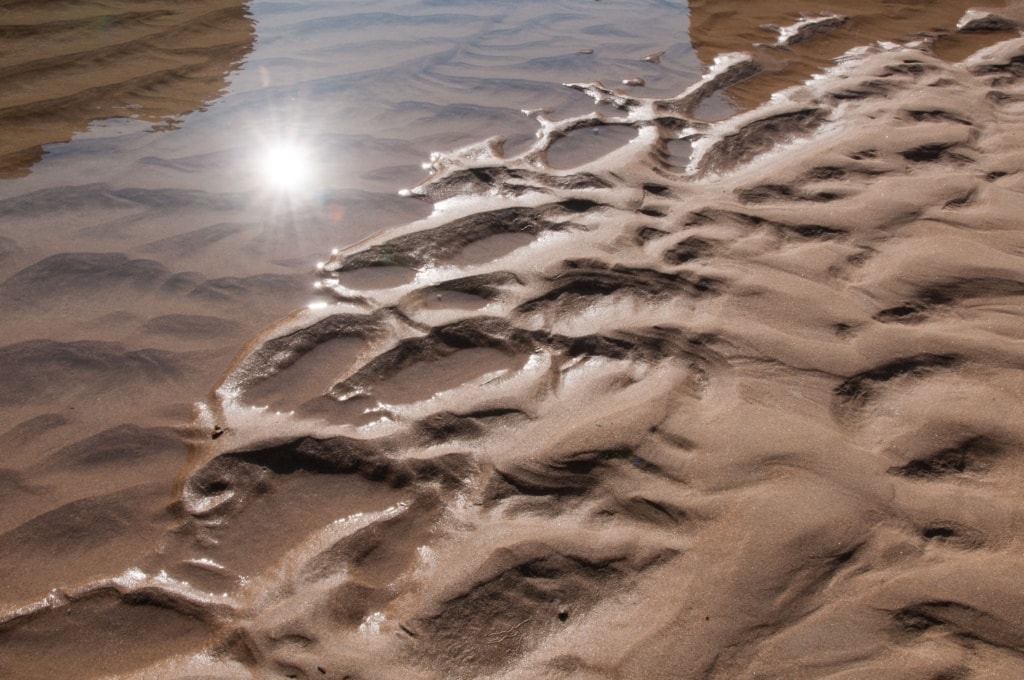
[{"x": 542, "y": 339}]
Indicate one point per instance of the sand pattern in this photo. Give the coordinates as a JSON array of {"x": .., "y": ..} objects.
[
  {"x": 737, "y": 400},
  {"x": 747, "y": 415},
  {"x": 66, "y": 65}
]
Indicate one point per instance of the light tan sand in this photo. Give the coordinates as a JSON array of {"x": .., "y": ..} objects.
[
  {"x": 754, "y": 413},
  {"x": 832, "y": 28}
]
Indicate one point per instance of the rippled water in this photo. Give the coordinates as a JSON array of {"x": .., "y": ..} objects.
[
  {"x": 370, "y": 89},
  {"x": 138, "y": 208},
  {"x": 171, "y": 176}
]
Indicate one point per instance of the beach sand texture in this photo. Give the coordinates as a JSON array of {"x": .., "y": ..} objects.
[{"x": 737, "y": 399}]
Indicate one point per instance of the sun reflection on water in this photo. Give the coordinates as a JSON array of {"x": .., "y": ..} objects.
[{"x": 287, "y": 167}]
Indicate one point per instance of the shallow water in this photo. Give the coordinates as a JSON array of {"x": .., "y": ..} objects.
[{"x": 144, "y": 240}]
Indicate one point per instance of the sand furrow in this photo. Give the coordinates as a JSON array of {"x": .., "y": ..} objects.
[{"x": 749, "y": 413}]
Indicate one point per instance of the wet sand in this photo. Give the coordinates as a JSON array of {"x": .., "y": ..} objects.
[{"x": 734, "y": 399}]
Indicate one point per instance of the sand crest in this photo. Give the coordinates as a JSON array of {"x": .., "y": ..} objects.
[{"x": 748, "y": 411}]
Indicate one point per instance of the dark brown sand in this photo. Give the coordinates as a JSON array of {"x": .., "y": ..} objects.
[{"x": 735, "y": 400}]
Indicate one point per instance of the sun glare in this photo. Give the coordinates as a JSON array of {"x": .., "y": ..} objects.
[{"x": 287, "y": 167}]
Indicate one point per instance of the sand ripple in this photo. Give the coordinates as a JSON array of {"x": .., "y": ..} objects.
[
  {"x": 750, "y": 419},
  {"x": 752, "y": 413}
]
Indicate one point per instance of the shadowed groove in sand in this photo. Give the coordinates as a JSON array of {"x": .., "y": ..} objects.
[
  {"x": 688, "y": 407},
  {"x": 603, "y": 421}
]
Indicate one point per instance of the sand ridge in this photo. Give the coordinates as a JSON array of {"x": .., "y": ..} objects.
[{"x": 753, "y": 413}]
